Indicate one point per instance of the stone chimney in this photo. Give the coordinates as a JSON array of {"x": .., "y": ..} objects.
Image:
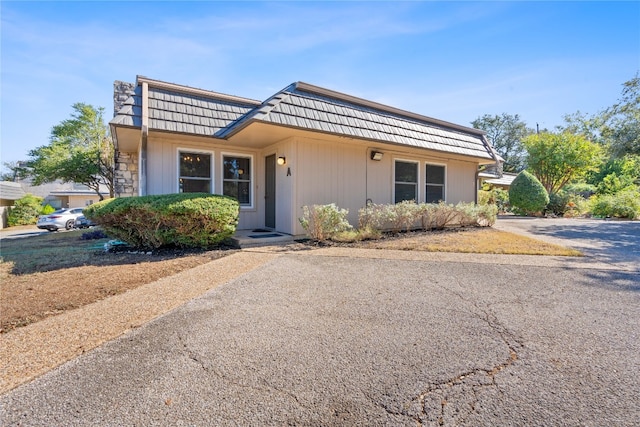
[{"x": 121, "y": 92}]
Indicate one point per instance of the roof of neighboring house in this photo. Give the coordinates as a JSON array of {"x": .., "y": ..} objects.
[
  {"x": 506, "y": 179},
  {"x": 183, "y": 109},
  {"x": 77, "y": 193},
  {"x": 11, "y": 190}
]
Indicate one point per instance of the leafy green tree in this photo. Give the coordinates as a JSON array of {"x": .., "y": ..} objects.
[
  {"x": 527, "y": 194},
  {"x": 621, "y": 128},
  {"x": 556, "y": 159},
  {"x": 617, "y": 174},
  {"x": 617, "y": 127},
  {"x": 506, "y": 133},
  {"x": 79, "y": 151},
  {"x": 11, "y": 171}
]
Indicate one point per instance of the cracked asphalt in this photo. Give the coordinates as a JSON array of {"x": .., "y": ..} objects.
[{"x": 344, "y": 338}]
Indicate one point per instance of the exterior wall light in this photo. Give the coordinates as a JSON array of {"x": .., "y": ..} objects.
[
  {"x": 282, "y": 160},
  {"x": 376, "y": 155}
]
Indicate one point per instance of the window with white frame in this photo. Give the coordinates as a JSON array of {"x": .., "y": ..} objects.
[
  {"x": 435, "y": 179},
  {"x": 194, "y": 172},
  {"x": 236, "y": 178},
  {"x": 406, "y": 181}
]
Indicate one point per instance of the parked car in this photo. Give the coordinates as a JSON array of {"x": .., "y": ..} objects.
[
  {"x": 84, "y": 222},
  {"x": 62, "y": 218}
]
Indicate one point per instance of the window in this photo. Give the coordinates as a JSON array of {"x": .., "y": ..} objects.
[
  {"x": 195, "y": 172},
  {"x": 236, "y": 178},
  {"x": 435, "y": 183},
  {"x": 406, "y": 181}
]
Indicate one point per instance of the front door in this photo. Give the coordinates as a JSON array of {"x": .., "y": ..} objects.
[{"x": 270, "y": 191}]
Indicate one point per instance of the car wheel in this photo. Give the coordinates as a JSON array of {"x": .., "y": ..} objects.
[{"x": 69, "y": 225}]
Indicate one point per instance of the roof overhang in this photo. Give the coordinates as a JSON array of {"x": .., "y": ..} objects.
[{"x": 126, "y": 138}]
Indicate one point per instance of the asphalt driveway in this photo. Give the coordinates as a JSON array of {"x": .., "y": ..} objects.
[
  {"x": 354, "y": 337},
  {"x": 616, "y": 241}
]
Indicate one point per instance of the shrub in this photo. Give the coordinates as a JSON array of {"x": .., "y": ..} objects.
[
  {"x": 403, "y": 215},
  {"x": 377, "y": 217},
  {"x": 581, "y": 189},
  {"x": 442, "y": 215},
  {"x": 558, "y": 203},
  {"x": 485, "y": 216},
  {"x": 25, "y": 211},
  {"x": 183, "y": 219},
  {"x": 614, "y": 183},
  {"x": 495, "y": 196},
  {"x": 527, "y": 194},
  {"x": 625, "y": 204},
  {"x": 576, "y": 206},
  {"x": 321, "y": 222},
  {"x": 47, "y": 209}
]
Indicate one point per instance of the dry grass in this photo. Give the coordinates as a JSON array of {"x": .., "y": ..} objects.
[
  {"x": 470, "y": 240},
  {"x": 45, "y": 275}
]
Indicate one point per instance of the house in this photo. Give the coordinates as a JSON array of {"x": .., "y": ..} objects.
[
  {"x": 304, "y": 145},
  {"x": 72, "y": 195},
  {"x": 503, "y": 182},
  {"x": 9, "y": 193}
]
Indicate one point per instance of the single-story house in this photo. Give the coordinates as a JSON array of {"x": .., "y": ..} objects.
[
  {"x": 304, "y": 145},
  {"x": 504, "y": 181},
  {"x": 9, "y": 193},
  {"x": 75, "y": 197}
]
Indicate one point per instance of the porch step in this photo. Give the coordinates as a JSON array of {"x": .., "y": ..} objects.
[{"x": 260, "y": 237}]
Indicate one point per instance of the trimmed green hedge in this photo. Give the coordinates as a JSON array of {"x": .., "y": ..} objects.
[
  {"x": 528, "y": 194},
  {"x": 184, "y": 219}
]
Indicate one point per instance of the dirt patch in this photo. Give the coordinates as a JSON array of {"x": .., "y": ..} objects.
[{"x": 42, "y": 276}]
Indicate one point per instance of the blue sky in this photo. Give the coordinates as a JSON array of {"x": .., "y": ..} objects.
[{"x": 454, "y": 61}]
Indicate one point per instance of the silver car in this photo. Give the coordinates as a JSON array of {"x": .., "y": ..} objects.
[{"x": 62, "y": 218}]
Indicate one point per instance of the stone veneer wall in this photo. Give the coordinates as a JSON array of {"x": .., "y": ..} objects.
[
  {"x": 121, "y": 92},
  {"x": 126, "y": 175},
  {"x": 126, "y": 169}
]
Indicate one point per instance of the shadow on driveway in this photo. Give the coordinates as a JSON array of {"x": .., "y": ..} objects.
[{"x": 609, "y": 241}]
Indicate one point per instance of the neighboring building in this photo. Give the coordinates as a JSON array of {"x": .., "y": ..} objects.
[
  {"x": 503, "y": 181},
  {"x": 64, "y": 194},
  {"x": 74, "y": 195},
  {"x": 305, "y": 145},
  {"x": 9, "y": 193}
]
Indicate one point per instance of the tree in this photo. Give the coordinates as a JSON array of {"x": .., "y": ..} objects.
[
  {"x": 617, "y": 127},
  {"x": 559, "y": 158},
  {"x": 12, "y": 171},
  {"x": 527, "y": 193},
  {"x": 621, "y": 129},
  {"x": 506, "y": 133},
  {"x": 79, "y": 151}
]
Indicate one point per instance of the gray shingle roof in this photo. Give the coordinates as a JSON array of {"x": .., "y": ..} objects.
[
  {"x": 308, "y": 107},
  {"x": 186, "y": 113},
  {"x": 11, "y": 190},
  {"x": 182, "y": 109}
]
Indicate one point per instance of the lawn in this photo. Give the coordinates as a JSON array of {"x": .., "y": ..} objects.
[
  {"x": 470, "y": 240},
  {"x": 48, "y": 274},
  {"x": 44, "y": 275}
]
